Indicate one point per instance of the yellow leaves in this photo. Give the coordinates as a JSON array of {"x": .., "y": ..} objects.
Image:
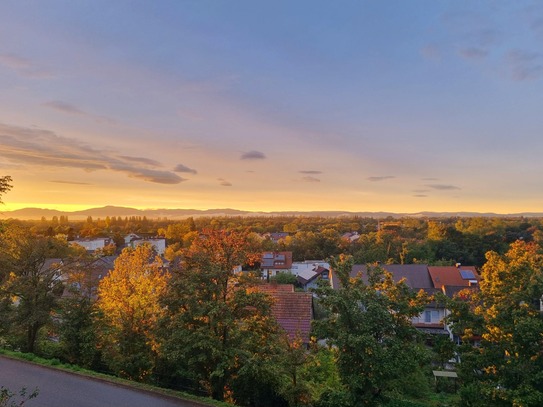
[
  {"x": 131, "y": 292},
  {"x": 490, "y": 370}
]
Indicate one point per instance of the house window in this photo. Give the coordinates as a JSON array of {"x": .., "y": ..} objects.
[
  {"x": 427, "y": 316},
  {"x": 431, "y": 316}
]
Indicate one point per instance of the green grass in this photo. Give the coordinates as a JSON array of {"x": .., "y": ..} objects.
[{"x": 57, "y": 364}]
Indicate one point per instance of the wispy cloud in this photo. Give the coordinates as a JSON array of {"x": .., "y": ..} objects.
[
  {"x": 23, "y": 66},
  {"x": 525, "y": 65},
  {"x": 38, "y": 147},
  {"x": 141, "y": 160},
  {"x": 473, "y": 53},
  {"x": 70, "y": 182},
  {"x": 68, "y": 108},
  {"x": 224, "y": 183},
  {"x": 311, "y": 172},
  {"x": 14, "y": 62},
  {"x": 420, "y": 196},
  {"x": 430, "y": 179},
  {"x": 63, "y": 107},
  {"x": 443, "y": 187},
  {"x": 309, "y": 178},
  {"x": 253, "y": 155},
  {"x": 380, "y": 178},
  {"x": 184, "y": 168}
]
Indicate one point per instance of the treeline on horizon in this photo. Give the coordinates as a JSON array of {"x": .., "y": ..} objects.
[{"x": 433, "y": 241}]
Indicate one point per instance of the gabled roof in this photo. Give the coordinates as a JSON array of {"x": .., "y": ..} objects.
[
  {"x": 453, "y": 276},
  {"x": 293, "y": 310},
  {"x": 317, "y": 273},
  {"x": 416, "y": 275},
  {"x": 274, "y": 287},
  {"x": 276, "y": 260}
]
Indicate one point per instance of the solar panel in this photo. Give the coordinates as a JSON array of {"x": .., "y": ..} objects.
[{"x": 467, "y": 274}]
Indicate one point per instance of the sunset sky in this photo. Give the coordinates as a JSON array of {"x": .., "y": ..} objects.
[{"x": 401, "y": 106}]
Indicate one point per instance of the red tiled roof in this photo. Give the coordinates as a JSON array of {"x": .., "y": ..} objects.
[
  {"x": 451, "y": 276},
  {"x": 276, "y": 287},
  {"x": 293, "y": 310}
]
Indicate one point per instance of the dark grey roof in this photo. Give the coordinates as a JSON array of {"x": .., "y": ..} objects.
[{"x": 416, "y": 275}]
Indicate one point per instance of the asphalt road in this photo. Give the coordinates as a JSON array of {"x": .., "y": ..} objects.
[{"x": 60, "y": 389}]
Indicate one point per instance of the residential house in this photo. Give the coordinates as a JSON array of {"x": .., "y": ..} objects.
[
  {"x": 85, "y": 275},
  {"x": 350, "y": 236},
  {"x": 293, "y": 310},
  {"x": 128, "y": 239},
  {"x": 452, "y": 280},
  {"x": 308, "y": 273},
  {"x": 273, "y": 263},
  {"x": 158, "y": 243},
  {"x": 416, "y": 276},
  {"x": 93, "y": 244},
  {"x": 275, "y": 236}
]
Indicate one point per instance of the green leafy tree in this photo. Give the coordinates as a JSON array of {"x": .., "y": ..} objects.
[
  {"x": 5, "y": 185},
  {"x": 30, "y": 282},
  {"x": 506, "y": 368},
  {"x": 77, "y": 312},
  {"x": 370, "y": 325},
  {"x": 218, "y": 330},
  {"x": 128, "y": 302}
]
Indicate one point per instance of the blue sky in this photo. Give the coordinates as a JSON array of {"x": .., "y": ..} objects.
[{"x": 399, "y": 106}]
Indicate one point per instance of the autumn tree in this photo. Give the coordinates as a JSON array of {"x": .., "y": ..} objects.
[
  {"x": 128, "y": 302},
  {"x": 506, "y": 368},
  {"x": 370, "y": 326},
  {"x": 218, "y": 330}
]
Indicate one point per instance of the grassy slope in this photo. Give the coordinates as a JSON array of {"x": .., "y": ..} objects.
[{"x": 55, "y": 364}]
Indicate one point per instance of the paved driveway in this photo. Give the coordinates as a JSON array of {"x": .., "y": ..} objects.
[{"x": 60, "y": 389}]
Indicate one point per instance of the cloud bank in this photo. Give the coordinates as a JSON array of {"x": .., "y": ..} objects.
[{"x": 38, "y": 147}]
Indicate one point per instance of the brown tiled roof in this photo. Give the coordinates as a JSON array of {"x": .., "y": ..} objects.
[
  {"x": 276, "y": 260},
  {"x": 293, "y": 310},
  {"x": 451, "y": 276},
  {"x": 276, "y": 287}
]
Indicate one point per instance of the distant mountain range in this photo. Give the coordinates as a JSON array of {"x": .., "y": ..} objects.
[{"x": 177, "y": 214}]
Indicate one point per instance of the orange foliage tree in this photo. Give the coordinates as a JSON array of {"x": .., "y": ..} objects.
[{"x": 128, "y": 302}]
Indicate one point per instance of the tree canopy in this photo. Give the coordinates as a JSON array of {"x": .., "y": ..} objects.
[
  {"x": 504, "y": 316},
  {"x": 370, "y": 325},
  {"x": 128, "y": 301}
]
